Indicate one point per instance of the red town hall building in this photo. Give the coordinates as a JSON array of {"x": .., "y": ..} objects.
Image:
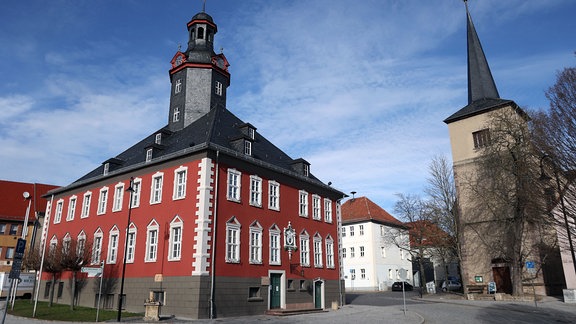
[{"x": 214, "y": 209}]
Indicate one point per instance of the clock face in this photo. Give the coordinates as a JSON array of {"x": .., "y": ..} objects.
[
  {"x": 220, "y": 62},
  {"x": 179, "y": 60}
]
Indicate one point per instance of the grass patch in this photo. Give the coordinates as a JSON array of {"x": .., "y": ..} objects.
[{"x": 62, "y": 312}]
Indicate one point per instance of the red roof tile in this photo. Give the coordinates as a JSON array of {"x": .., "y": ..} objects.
[
  {"x": 12, "y": 203},
  {"x": 363, "y": 209}
]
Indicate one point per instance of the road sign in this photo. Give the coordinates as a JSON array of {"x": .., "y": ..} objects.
[
  {"x": 92, "y": 272},
  {"x": 531, "y": 267},
  {"x": 403, "y": 273}
]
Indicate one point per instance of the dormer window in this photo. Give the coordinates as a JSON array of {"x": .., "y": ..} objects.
[
  {"x": 247, "y": 147},
  {"x": 158, "y": 139},
  {"x": 106, "y": 168},
  {"x": 149, "y": 155},
  {"x": 251, "y": 133},
  {"x": 306, "y": 170}
]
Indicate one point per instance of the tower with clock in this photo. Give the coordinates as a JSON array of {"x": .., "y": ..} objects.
[{"x": 199, "y": 77}]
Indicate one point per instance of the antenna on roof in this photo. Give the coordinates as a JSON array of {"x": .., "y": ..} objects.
[{"x": 353, "y": 193}]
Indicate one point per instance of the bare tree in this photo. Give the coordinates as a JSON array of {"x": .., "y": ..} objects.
[
  {"x": 53, "y": 265},
  {"x": 441, "y": 192},
  {"x": 75, "y": 255}
]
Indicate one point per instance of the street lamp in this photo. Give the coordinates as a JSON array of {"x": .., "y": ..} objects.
[
  {"x": 543, "y": 176},
  {"x": 121, "y": 297}
]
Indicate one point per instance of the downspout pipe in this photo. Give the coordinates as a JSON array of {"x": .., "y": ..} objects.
[{"x": 214, "y": 227}]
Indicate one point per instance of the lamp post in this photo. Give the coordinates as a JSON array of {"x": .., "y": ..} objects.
[
  {"x": 121, "y": 297},
  {"x": 562, "y": 205}
]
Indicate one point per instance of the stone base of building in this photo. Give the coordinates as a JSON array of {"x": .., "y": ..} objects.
[{"x": 569, "y": 296}]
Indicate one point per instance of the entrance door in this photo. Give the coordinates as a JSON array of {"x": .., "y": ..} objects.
[
  {"x": 318, "y": 294},
  {"x": 275, "y": 291},
  {"x": 502, "y": 279}
]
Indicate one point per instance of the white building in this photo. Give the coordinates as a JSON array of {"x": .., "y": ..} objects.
[{"x": 370, "y": 261}]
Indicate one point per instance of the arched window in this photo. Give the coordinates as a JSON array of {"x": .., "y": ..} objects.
[{"x": 200, "y": 33}]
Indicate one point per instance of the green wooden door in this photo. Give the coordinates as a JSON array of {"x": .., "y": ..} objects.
[
  {"x": 275, "y": 290},
  {"x": 318, "y": 294}
]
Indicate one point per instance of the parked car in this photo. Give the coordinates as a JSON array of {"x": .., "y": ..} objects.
[
  {"x": 397, "y": 286},
  {"x": 451, "y": 285}
]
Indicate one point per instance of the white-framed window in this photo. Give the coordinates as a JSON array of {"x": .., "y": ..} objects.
[
  {"x": 118, "y": 197},
  {"x": 71, "y": 208},
  {"x": 362, "y": 273},
  {"x": 327, "y": 210},
  {"x": 255, "y": 191},
  {"x": 86, "y": 200},
  {"x": 352, "y": 252},
  {"x": 136, "y": 192},
  {"x": 151, "y": 242},
  {"x": 58, "y": 214},
  {"x": 234, "y": 183},
  {"x": 113, "y": 238},
  {"x": 317, "y": 251},
  {"x": 247, "y": 147},
  {"x": 218, "y": 88},
  {"x": 251, "y": 133},
  {"x": 81, "y": 245},
  {"x": 176, "y": 114},
  {"x": 361, "y": 229},
  {"x": 131, "y": 247},
  {"x": 329, "y": 252},
  {"x": 383, "y": 251},
  {"x": 180, "y": 176},
  {"x": 158, "y": 138},
  {"x": 274, "y": 245},
  {"x": 106, "y": 168},
  {"x": 344, "y": 253},
  {"x": 303, "y": 203},
  {"x": 352, "y": 230},
  {"x": 65, "y": 244},
  {"x": 273, "y": 195},
  {"x": 304, "y": 249},
  {"x": 97, "y": 246},
  {"x": 316, "y": 207},
  {"x": 306, "y": 170},
  {"x": 255, "y": 243},
  {"x": 233, "y": 241},
  {"x": 53, "y": 245},
  {"x": 156, "y": 190},
  {"x": 353, "y": 274},
  {"x": 362, "y": 251},
  {"x": 102, "y": 200},
  {"x": 390, "y": 275},
  {"x": 401, "y": 254},
  {"x": 149, "y": 152},
  {"x": 175, "y": 252},
  {"x": 343, "y": 231},
  {"x": 178, "y": 86}
]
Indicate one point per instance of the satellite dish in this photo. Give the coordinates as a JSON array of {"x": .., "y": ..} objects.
[{"x": 26, "y": 195}]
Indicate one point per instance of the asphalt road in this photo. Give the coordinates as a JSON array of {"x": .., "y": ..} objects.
[{"x": 388, "y": 308}]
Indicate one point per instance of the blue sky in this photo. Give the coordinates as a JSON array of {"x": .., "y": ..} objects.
[{"x": 357, "y": 88}]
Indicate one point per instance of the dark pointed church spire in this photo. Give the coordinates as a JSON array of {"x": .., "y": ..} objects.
[{"x": 481, "y": 85}]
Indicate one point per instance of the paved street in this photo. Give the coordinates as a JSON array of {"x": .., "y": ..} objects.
[{"x": 387, "y": 307}]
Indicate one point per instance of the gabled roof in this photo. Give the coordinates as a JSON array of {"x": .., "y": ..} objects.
[
  {"x": 362, "y": 209},
  {"x": 12, "y": 203},
  {"x": 219, "y": 129},
  {"x": 424, "y": 233}
]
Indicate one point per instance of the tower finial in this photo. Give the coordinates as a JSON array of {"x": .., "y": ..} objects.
[{"x": 204, "y": 6}]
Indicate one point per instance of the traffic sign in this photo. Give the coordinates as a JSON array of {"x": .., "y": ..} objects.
[{"x": 92, "y": 272}]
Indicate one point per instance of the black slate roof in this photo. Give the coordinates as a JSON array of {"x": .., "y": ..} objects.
[{"x": 217, "y": 129}]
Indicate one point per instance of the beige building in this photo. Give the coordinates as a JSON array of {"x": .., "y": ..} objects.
[{"x": 495, "y": 247}]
